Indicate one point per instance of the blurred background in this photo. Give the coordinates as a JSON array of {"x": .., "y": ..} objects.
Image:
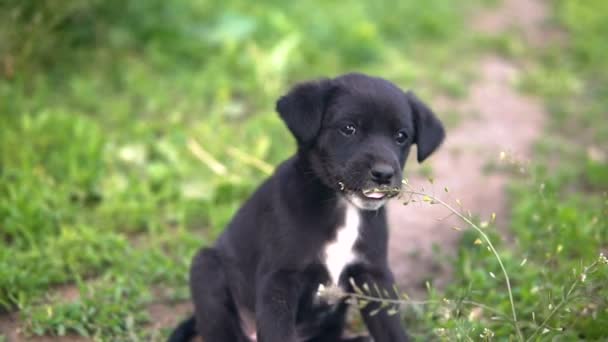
[{"x": 130, "y": 131}]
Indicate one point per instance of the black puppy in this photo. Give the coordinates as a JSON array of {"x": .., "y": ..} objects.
[{"x": 319, "y": 220}]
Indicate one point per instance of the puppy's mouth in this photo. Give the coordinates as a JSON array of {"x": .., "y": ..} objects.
[
  {"x": 380, "y": 193},
  {"x": 369, "y": 198},
  {"x": 375, "y": 193}
]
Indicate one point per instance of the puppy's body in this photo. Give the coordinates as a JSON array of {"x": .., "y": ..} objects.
[
  {"x": 316, "y": 221},
  {"x": 278, "y": 236}
]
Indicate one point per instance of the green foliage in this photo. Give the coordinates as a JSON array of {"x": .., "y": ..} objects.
[
  {"x": 558, "y": 212},
  {"x": 587, "y": 25},
  {"x": 557, "y": 236},
  {"x": 130, "y": 131},
  {"x": 121, "y": 298}
]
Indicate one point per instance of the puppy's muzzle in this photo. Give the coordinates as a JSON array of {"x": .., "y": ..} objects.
[
  {"x": 382, "y": 174},
  {"x": 383, "y": 182}
]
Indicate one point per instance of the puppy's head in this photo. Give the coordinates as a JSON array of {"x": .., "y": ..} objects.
[{"x": 357, "y": 131}]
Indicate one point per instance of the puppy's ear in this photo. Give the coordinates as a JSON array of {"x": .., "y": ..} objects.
[
  {"x": 303, "y": 107},
  {"x": 429, "y": 130}
]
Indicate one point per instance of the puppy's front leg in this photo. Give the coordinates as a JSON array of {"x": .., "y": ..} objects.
[
  {"x": 382, "y": 326},
  {"x": 276, "y": 307}
]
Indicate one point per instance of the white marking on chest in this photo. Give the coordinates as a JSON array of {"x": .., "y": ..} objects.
[{"x": 340, "y": 252}]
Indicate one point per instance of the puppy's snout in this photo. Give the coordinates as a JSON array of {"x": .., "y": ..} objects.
[{"x": 382, "y": 173}]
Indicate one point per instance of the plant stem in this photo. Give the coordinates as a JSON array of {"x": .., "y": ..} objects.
[
  {"x": 561, "y": 303},
  {"x": 490, "y": 245},
  {"x": 425, "y": 302}
]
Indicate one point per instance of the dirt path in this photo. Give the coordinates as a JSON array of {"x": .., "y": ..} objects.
[{"x": 505, "y": 120}]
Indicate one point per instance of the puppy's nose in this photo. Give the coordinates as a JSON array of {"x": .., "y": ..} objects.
[{"x": 382, "y": 173}]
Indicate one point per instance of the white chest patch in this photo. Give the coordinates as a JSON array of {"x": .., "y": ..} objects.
[{"x": 339, "y": 252}]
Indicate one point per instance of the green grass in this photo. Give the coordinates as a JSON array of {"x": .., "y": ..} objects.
[
  {"x": 559, "y": 210},
  {"x": 106, "y": 106}
]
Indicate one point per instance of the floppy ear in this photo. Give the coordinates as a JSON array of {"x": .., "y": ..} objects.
[
  {"x": 303, "y": 107},
  {"x": 429, "y": 130}
]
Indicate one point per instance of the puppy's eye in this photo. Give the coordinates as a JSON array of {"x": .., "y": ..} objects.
[
  {"x": 348, "y": 130},
  {"x": 401, "y": 137}
]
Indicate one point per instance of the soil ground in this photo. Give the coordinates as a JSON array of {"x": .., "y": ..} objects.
[{"x": 503, "y": 120}]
